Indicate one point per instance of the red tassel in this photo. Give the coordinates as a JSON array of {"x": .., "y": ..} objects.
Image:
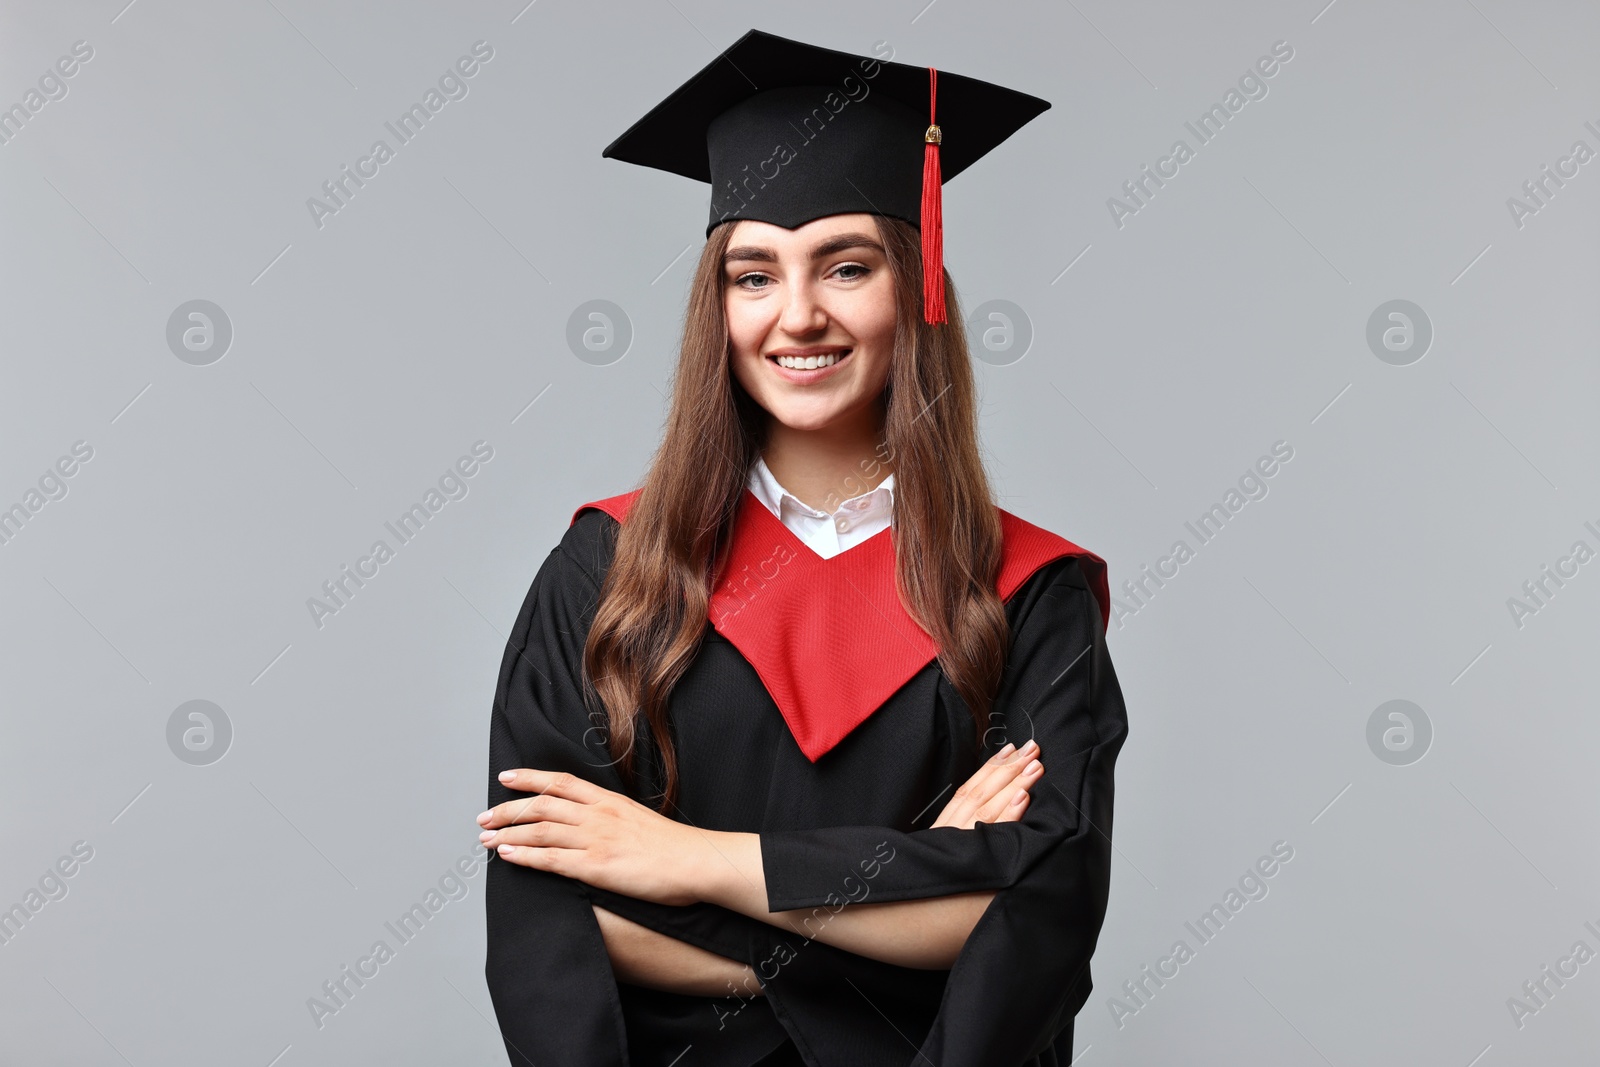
[{"x": 933, "y": 310}]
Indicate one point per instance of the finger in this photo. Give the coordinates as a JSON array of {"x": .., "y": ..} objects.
[
  {"x": 539, "y": 834},
  {"x": 1009, "y": 807},
  {"x": 984, "y": 785},
  {"x": 555, "y": 783},
  {"x": 544, "y": 784},
  {"x": 978, "y": 792},
  {"x": 538, "y": 808},
  {"x": 987, "y": 782},
  {"x": 555, "y": 860},
  {"x": 1009, "y": 803}
]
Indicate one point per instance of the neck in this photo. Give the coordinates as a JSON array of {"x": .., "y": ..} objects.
[{"x": 824, "y": 467}]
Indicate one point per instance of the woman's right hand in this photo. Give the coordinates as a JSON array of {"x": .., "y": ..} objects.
[{"x": 998, "y": 791}]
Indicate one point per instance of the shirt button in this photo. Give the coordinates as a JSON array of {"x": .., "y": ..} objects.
[{"x": 842, "y": 523}]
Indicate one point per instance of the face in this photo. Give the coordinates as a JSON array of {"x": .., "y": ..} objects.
[{"x": 811, "y": 318}]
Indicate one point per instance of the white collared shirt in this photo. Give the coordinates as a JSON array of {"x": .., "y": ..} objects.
[{"x": 827, "y": 535}]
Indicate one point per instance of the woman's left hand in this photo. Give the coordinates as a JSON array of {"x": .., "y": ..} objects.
[{"x": 575, "y": 828}]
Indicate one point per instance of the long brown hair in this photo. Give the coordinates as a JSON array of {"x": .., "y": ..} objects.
[{"x": 655, "y": 599}]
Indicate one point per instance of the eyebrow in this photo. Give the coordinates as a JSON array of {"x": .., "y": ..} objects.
[{"x": 837, "y": 243}]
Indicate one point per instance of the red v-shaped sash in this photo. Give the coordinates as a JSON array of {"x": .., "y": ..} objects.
[{"x": 802, "y": 621}]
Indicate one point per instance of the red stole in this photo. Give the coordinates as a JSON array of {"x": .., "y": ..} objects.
[{"x": 802, "y": 621}]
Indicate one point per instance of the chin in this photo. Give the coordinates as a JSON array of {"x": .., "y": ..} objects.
[{"x": 807, "y": 420}]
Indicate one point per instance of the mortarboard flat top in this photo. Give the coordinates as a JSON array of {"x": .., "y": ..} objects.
[{"x": 786, "y": 132}]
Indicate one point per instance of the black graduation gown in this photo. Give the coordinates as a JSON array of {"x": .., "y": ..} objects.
[{"x": 853, "y": 826}]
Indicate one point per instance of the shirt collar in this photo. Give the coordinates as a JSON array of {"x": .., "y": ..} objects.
[{"x": 774, "y": 496}]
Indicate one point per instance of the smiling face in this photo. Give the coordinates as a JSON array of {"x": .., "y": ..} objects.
[{"x": 811, "y": 321}]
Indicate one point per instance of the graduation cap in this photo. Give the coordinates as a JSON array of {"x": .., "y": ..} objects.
[{"x": 786, "y": 132}]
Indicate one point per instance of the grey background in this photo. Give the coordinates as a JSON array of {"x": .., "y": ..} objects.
[{"x": 367, "y": 355}]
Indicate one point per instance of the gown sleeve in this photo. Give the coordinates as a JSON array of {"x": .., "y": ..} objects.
[
  {"x": 547, "y": 968},
  {"x": 546, "y": 965},
  {"x": 1024, "y": 971}
]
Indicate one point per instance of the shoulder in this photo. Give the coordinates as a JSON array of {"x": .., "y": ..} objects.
[
  {"x": 591, "y": 537},
  {"x": 568, "y": 580},
  {"x": 615, "y": 506},
  {"x": 1033, "y": 557}
]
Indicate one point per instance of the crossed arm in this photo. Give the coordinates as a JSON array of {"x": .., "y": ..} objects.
[
  {"x": 912, "y": 933},
  {"x": 583, "y": 831}
]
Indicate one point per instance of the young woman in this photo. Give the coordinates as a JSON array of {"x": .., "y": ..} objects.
[{"x": 769, "y": 744}]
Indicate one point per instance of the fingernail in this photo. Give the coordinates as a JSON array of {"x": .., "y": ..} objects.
[
  {"x": 483, "y": 819},
  {"x": 506, "y": 776},
  {"x": 1032, "y": 767},
  {"x": 1030, "y": 745},
  {"x": 1004, "y": 752},
  {"x": 486, "y": 835},
  {"x": 506, "y": 850},
  {"x": 1022, "y": 794}
]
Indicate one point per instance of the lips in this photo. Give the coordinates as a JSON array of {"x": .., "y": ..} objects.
[{"x": 808, "y": 363}]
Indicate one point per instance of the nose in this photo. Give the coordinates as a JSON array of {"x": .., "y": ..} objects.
[{"x": 803, "y": 313}]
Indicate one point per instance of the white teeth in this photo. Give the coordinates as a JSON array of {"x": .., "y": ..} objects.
[{"x": 810, "y": 362}]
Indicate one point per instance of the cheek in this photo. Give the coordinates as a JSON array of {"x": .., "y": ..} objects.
[
  {"x": 745, "y": 327},
  {"x": 882, "y": 329},
  {"x": 744, "y": 345},
  {"x": 871, "y": 321},
  {"x": 872, "y": 313}
]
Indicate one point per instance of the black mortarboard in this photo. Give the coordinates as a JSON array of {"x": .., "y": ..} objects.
[{"x": 787, "y": 132}]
